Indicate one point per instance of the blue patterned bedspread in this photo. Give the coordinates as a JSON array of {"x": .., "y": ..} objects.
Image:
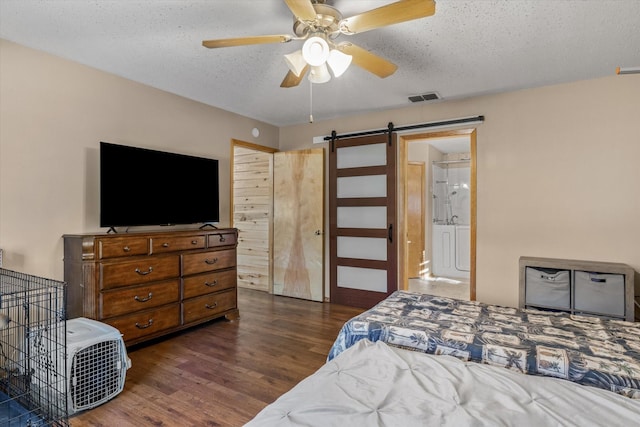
[{"x": 586, "y": 350}]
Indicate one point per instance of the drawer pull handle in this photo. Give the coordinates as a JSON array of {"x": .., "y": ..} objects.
[
  {"x": 145, "y": 299},
  {"x": 126, "y": 249},
  {"x": 165, "y": 245},
  {"x": 145, "y": 326},
  {"x": 210, "y": 307},
  {"x": 144, "y": 273},
  {"x": 222, "y": 239},
  {"x": 194, "y": 242},
  {"x": 211, "y": 261},
  {"x": 215, "y": 282}
]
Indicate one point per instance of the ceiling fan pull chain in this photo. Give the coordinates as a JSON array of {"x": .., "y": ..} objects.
[{"x": 310, "y": 102}]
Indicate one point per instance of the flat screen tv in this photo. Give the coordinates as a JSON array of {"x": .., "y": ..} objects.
[{"x": 139, "y": 186}]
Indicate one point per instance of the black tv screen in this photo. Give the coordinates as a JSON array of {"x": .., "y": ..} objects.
[{"x": 139, "y": 186}]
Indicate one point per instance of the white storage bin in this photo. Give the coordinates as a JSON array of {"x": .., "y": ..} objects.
[
  {"x": 548, "y": 287},
  {"x": 599, "y": 293}
]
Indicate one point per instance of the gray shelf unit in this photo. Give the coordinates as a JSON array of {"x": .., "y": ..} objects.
[{"x": 603, "y": 289}]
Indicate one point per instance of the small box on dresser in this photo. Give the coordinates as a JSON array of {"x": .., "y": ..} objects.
[{"x": 149, "y": 284}]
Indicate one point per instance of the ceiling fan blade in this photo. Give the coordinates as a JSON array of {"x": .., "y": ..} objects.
[
  {"x": 302, "y": 9},
  {"x": 243, "y": 41},
  {"x": 291, "y": 80},
  {"x": 394, "y": 13},
  {"x": 369, "y": 61}
]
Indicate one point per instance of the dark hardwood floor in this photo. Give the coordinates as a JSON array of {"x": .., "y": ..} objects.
[{"x": 223, "y": 373}]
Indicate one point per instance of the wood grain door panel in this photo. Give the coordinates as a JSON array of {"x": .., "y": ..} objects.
[{"x": 298, "y": 214}]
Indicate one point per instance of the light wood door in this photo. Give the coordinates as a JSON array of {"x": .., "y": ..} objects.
[
  {"x": 363, "y": 229},
  {"x": 415, "y": 218},
  {"x": 298, "y": 223},
  {"x": 252, "y": 213}
]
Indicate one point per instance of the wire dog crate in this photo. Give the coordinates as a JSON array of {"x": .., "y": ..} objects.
[{"x": 33, "y": 384}]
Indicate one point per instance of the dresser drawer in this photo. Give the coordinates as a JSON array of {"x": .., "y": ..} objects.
[
  {"x": 221, "y": 239},
  {"x": 138, "y": 325},
  {"x": 207, "y": 261},
  {"x": 141, "y": 270},
  {"x": 208, "y": 306},
  {"x": 179, "y": 243},
  {"x": 122, "y": 246},
  {"x": 206, "y": 283},
  {"x": 132, "y": 299}
]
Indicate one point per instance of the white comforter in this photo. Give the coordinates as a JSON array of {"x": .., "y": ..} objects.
[{"x": 372, "y": 384}]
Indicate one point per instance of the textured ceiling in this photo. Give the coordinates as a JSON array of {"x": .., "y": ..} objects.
[{"x": 467, "y": 48}]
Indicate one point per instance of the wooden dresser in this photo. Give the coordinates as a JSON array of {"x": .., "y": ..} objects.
[{"x": 149, "y": 284}]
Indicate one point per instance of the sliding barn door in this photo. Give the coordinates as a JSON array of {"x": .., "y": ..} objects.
[
  {"x": 298, "y": 223},
  {"x": 362, "y": 208}
]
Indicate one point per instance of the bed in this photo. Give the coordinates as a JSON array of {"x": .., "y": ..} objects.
[
  {"x": 374, "y": 384},
  {"x": 416, "y": 359},
  {"x": 583, "y": 349}
]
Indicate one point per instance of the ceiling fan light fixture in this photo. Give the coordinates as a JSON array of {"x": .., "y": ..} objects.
[
  {"x": 315, "y": 51},
  {"x": 319, "y": 74},
  {"x": 295, "y": 61},
  {"x": 339, "y": 62}
]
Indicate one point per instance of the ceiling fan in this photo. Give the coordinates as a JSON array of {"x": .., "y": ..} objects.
[{"x": 320, "y": 24}]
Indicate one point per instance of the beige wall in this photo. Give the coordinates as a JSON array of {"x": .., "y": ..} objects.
[
  {"x": 53, "y": 114},
  {"x": 558, "y": 173},
  {"x": 557, "y": 166}
]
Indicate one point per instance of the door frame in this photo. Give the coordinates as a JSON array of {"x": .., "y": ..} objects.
[{"x": 404, "y": 140}]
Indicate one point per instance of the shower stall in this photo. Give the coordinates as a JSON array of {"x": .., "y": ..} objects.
[{"x": 451, "y": 212}]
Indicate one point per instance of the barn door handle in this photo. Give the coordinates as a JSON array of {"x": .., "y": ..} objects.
[{"x": 390, "y": 233}]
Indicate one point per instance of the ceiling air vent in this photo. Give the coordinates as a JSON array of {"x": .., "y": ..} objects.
[{"x": 431, "y": 96}]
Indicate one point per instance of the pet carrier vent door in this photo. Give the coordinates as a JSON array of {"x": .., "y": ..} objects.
[{"x": 97, "y": 363}]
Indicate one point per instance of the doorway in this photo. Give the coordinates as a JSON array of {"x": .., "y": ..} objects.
[
  {"x": 252, "y": 213},
  {"x": 277, "y": 207},
  {"x": 450, "y": 185}
]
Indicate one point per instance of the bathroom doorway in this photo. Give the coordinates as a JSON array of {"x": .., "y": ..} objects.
[
  {"x": 447, "y": 264},
  {"x": 450, "y": 220}
]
